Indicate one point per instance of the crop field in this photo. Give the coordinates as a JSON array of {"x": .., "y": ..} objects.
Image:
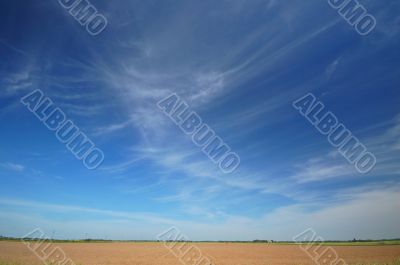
[{"x": 219, "y": 253}]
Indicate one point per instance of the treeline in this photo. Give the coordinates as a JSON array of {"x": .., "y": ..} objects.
[{"x": 5, "y": 238}]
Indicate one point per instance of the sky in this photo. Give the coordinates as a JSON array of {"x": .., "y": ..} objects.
[{"x": 239, "y": 65}]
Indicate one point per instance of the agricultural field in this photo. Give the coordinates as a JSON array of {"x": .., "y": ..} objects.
[{"x": 16, "y": 253}]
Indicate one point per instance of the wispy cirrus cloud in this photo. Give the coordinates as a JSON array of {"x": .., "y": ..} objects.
[
  {"x": 361, "y": 215},
  {"x": 322, "y": 169},
  {"x": 13, "y": 166}
]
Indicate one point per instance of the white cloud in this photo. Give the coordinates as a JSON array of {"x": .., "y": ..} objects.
[
  {"x": 371, "y": 213},
  {"x": 13, "y": 166},
  {"x": 330, "y": 70},
  {"x": 323, "y": 168}
]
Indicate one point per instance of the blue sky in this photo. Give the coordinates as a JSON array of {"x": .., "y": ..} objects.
[{"x": 240, "y": 65}]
